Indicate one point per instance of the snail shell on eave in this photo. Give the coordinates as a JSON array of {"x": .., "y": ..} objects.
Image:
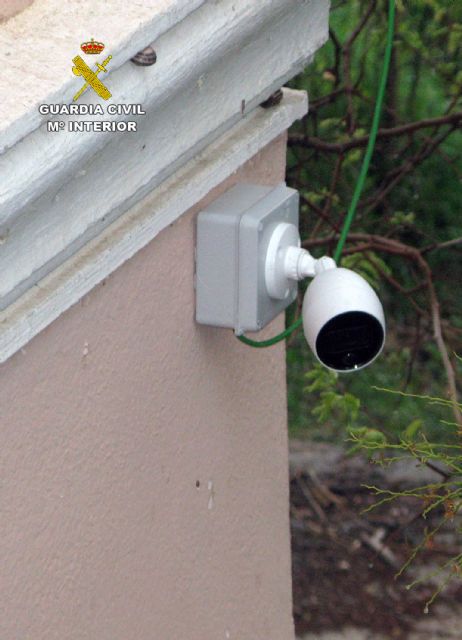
[{"x": 145, "y": 58}]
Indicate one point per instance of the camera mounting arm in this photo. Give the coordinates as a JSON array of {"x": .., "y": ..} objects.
[{"x": 286, "y": 261}]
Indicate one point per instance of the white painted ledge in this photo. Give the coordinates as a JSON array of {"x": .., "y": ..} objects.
[
  {"x": 217, "y": 60},
  {"x": 34, "y": 71},
  {"x": 68, "y": 283}
]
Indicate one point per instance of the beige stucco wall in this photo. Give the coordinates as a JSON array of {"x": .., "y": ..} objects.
[{"x": 144, "y": 484}]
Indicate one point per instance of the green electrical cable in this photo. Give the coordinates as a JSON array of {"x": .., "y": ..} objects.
[{"x": 362, "y": 174}]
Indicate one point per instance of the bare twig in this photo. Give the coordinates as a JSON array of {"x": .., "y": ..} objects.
[
  {"x": 442, "y": 245},
  {"x": 375, "y": 542},
  {"x": 355, "y": 143}
]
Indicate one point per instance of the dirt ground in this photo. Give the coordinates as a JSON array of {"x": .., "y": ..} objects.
[{"x": 345, "y": 561}]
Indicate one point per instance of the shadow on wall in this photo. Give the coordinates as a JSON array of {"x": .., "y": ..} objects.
[{"x": 9, "y": 8}]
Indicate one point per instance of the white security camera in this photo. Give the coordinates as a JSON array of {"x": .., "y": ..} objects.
[
  {"x": 248, "y": 262},
  {"x": 343, "y": 318}
]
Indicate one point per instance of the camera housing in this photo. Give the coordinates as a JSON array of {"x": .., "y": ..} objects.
[
  {"x": 248, "y": 263},
  {"x": 343, "y": 320}
]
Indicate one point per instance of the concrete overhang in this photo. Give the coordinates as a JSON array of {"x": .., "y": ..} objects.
[{"x": 73, "y": 205}]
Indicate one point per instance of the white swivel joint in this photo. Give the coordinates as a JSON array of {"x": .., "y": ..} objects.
[{"x": 287, "y": 261}]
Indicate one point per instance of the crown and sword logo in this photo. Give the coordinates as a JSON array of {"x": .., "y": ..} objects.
[{"x": 80, "y": 68}]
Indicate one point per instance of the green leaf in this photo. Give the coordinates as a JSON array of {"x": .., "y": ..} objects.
[
  {"x": 412, "y": 429},
  {"x": 374, "y": 436}
]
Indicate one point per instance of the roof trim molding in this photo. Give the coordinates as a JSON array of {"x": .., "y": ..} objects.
[
  {"x": 68, "y": 283},
  {"x": 45, "y": 70},
  {"x": 216, "y": 63}
]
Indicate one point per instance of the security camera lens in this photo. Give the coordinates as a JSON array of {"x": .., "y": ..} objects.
[{"x": 350, "y": 340}]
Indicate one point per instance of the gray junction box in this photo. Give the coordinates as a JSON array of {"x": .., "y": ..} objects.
[{"x": 233, "y": 234}]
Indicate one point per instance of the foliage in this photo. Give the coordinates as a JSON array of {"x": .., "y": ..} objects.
[
  {"x": 406, "y": 239},
  {"x": 410, "y": 210},
  {"x": 384, "y": 447},
  {"x": 444, "y": 496},
  {"x": 344, "y": 405}
]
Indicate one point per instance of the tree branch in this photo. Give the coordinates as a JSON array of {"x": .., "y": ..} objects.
[
  {"x": 311, "y": 142},
  {"x": 442, "y": 245}
]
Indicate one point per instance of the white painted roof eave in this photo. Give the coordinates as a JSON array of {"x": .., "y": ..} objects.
[
  {"x": 65, "y": 285},
  {"x": 37, "y": 47},
  {"x": 59, "y": 191}
]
